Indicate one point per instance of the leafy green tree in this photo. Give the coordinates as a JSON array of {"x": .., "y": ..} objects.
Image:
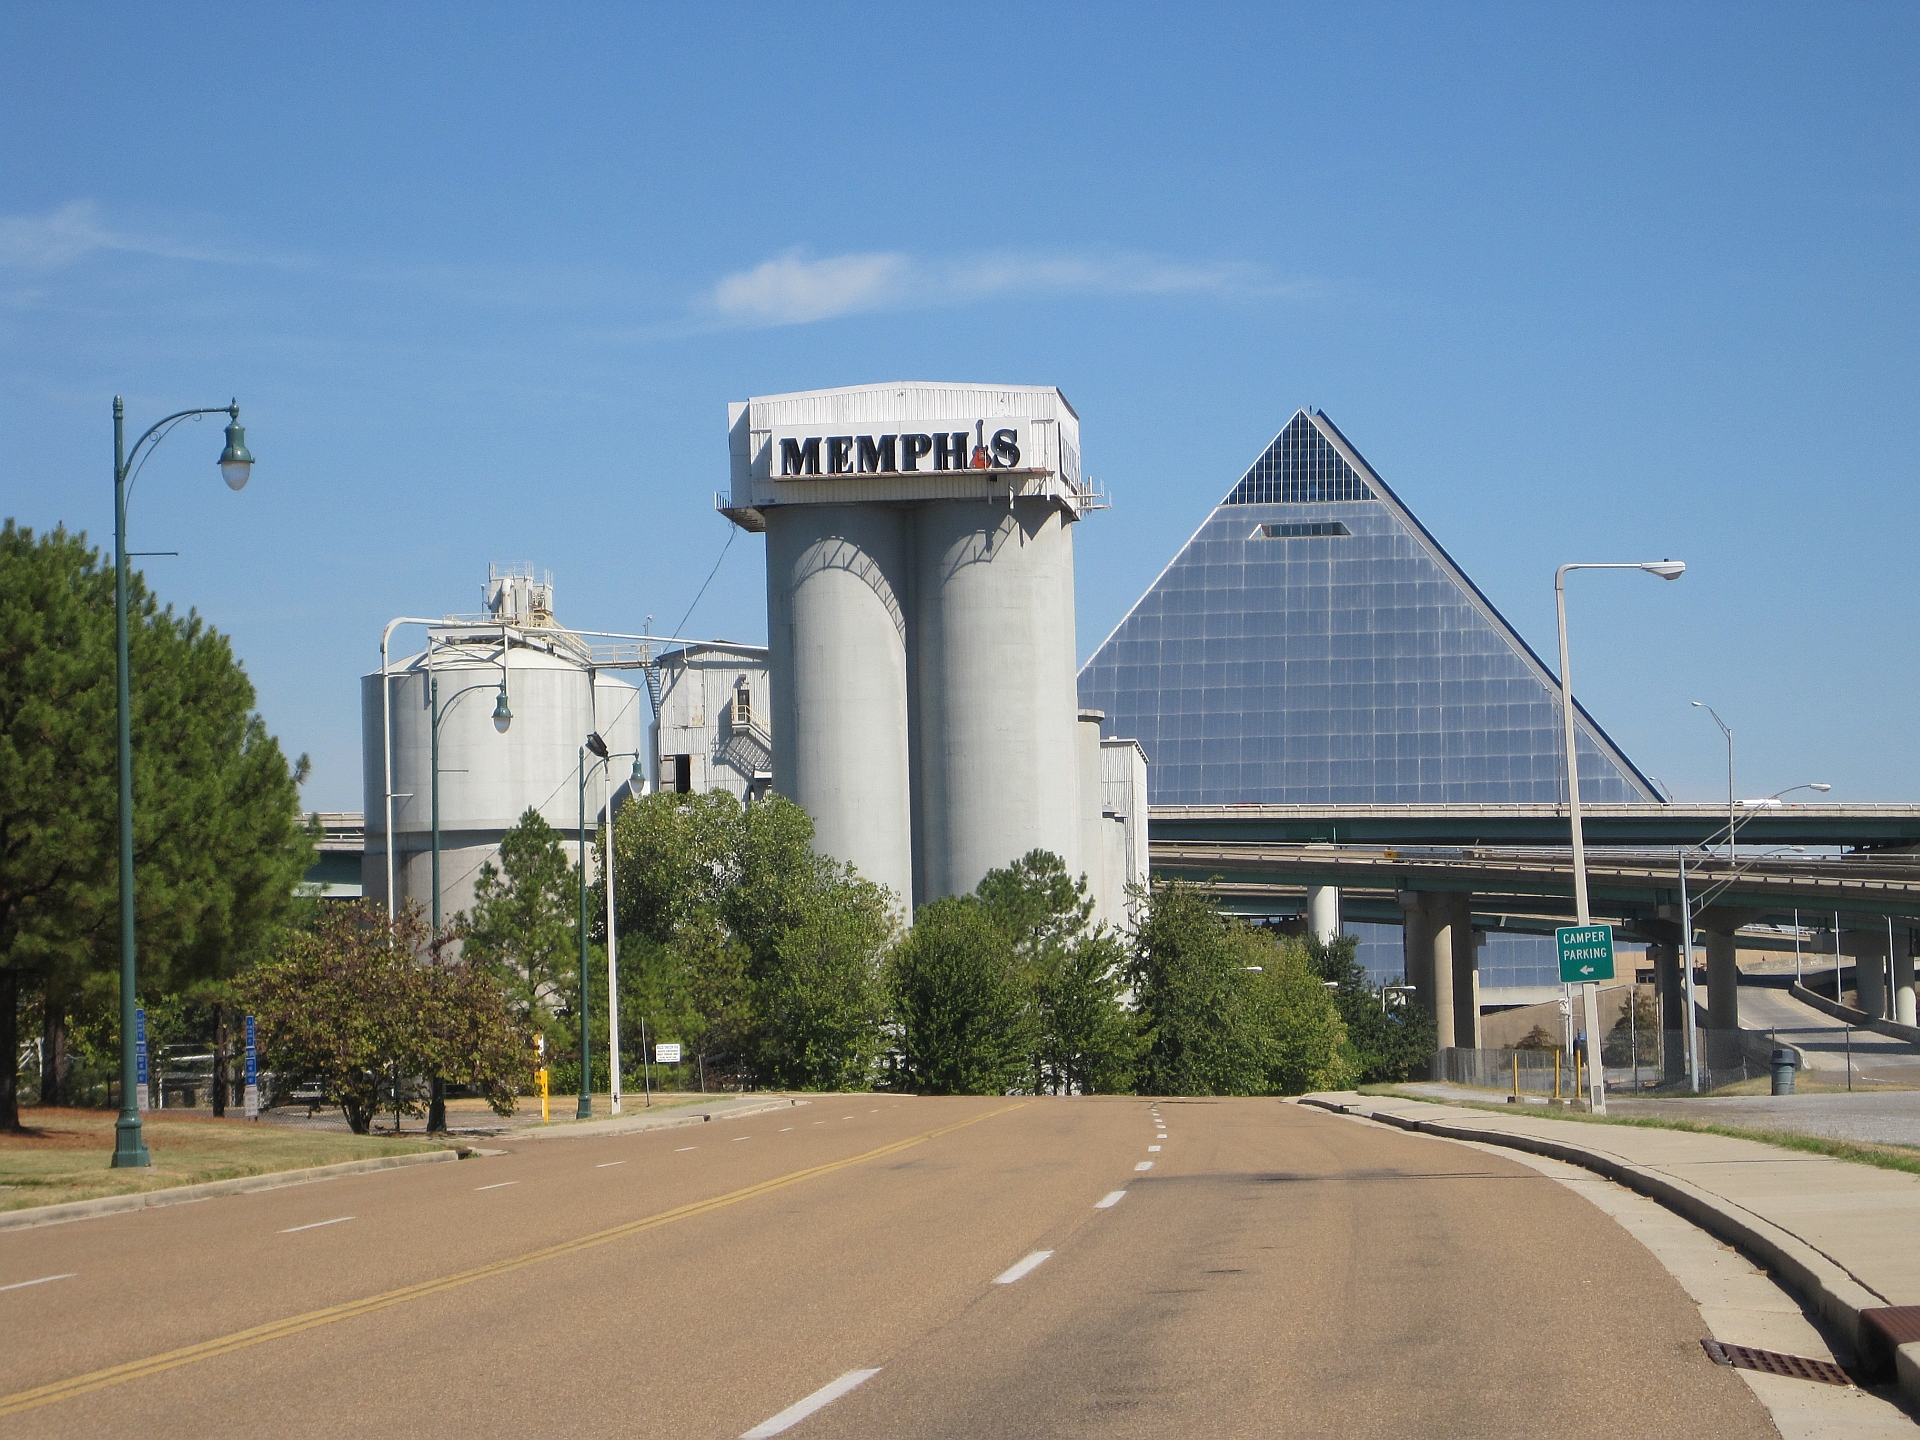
[
  {"x": 525, "y": 921},
  {"x": 1192, "y": 993},
  {"x": 1230, "y": 1010},
  {"x": 1305, "y": 1044},
  {"x": 743, "y": 943},
  {"x": 821, "y": 1001},
  {"x": 1085, "y": 1039},
  {"x": 218, "y": 843},
  {"x": 1385, "y": 1044},
  {"x": 366, "y": 1006},
  {"x": 962, "y": 1000}
]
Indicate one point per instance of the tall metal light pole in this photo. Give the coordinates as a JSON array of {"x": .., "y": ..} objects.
[
  {"x": 1726, "y": 730},
  {"x": 598, "y": 749},
  {"x": 1666, "y": 570},
  {"x": 636, "y": 786},
  {"x": 236, "y": 465}
]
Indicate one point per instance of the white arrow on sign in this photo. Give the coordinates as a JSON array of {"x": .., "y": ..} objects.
[{"x": 1586, "y": 969}]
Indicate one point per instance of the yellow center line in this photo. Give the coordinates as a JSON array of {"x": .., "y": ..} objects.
[{"x": 294, "y": 1324}]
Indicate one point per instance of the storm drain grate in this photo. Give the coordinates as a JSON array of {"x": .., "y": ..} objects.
[{"x": 1772, "y": 1362}]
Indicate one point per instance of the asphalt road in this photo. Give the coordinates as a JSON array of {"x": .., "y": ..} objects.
[
  {"x": 1278, "y": 1271},
  {"x": 1829, "y": 1045}
]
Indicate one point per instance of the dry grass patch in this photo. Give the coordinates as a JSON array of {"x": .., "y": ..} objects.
[{"x": 68, "y": 1154}]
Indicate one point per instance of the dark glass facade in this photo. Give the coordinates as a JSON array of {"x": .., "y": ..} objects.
[
  {"x": 1314, "y": 644},
  {"x": 1275, "y": 665}
]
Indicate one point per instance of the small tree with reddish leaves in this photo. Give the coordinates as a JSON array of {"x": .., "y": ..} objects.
[{"x": 366, "y": 1007}]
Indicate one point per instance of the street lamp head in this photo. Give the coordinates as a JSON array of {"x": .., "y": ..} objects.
[
  {"x": 236, "y": 461},
  {"x": 502, "y": 713},
  {"x": 1823, "y": 789},
  {"x": 596, "y": 746},
  {"x": 637, "y": 782},
  {"x": 1695, "y": 703},
  {"x": 1666, "y": 569}
]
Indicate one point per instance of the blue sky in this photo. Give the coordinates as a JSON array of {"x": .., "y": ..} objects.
[{"x": 1582, "y": 282}]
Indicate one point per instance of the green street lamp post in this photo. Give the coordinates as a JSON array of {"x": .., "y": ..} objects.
[
  {"x": 236, "y": 464},
  {"x": 598, "y": 749},
  {"x": 502, "y": 720}
]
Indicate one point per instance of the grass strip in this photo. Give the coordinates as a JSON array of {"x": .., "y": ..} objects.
[{"x": 1905, "y": 1158}]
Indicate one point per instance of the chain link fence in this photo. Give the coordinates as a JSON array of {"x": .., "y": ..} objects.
[{"x": 1647, "y": 1061}]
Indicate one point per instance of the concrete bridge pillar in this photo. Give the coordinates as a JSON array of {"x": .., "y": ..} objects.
[
  {"x": 1428, "y": 938},
  {"x": 1323, "y": 912},
  {"x": 1869, "y": 970},
  {"x": 1440, "y": 932},
  {"x": 1465, "y": 966},
  {"x": 1669, "y": 985},
  {"x": 1723, "y": 983},
  {"x": 1903, "y": 1007},
  {"x": 1723, "y": 974}
]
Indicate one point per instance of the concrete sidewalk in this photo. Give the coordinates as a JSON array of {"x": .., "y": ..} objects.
[
  {"x": 1838, "y": 1234},
  {"x": 728, "y": 1107}
]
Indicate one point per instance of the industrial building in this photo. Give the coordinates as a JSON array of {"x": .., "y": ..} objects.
[
  {"x": 490, "y": 716},
  {"x": 711, "y": 703},
  {"x": 920, "y": 630},
  {"x": 1313, "y": 644}
]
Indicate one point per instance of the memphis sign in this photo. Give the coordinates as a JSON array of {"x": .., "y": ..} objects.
[
  {"x": 958, "y": 445},
  {"x": 1586, "y": 953}
]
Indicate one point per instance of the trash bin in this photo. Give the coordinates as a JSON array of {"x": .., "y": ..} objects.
[{"x": 1784, "y": 1064}]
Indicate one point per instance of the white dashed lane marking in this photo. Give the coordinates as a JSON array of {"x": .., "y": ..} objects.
[
  {"x": 605, "y": 1164},
  {"x": 497, "y": 1185},
  {"x": 1023, "y": 1268},
  {"x": 1153, "y": 1149},
  {"x": 1144, "y": 1165},
  {"x": 23, "y": 1284},
  {"x": 1108, "y": 1201},
  {"x": 337, "y": 1220},
  {"x": 818, "y": 1400}
]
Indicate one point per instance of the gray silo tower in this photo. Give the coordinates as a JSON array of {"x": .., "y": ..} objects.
[
  {"x": 493, "y": 766},
  {"x": 920, "y": 621}
]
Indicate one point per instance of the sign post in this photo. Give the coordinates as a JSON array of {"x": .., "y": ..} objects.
[
  {"x": 1586, "y": 958},
  {"x": 140, "y": 1054},
  {"x": 253, "y": 1074}
]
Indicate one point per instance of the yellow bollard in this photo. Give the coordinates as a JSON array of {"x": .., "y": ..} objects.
[
  {"x": 1556, "y": 1077},
  {"x": 1579, "y": 1085},
  {"x": 1515, "y": 1098},
  {"x": 540, "y": 1049}
]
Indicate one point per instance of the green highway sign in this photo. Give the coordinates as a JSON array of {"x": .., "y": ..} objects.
[{"x": 1586, "y": 953}]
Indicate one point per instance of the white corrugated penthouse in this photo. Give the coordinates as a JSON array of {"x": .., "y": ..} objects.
[{"x": 920, "y": 630}]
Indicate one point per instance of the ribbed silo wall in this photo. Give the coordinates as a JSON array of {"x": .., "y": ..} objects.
[
  {"x": 837, "y": 617},
  {"x": 1093, "y": 840},
  {"x": 488, "y": 779},
  {"x": 996, "y": 714}
]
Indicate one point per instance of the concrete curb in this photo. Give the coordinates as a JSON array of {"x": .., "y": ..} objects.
[
  {"x": 1835, "y": 1292},
  {"x": 671, "y": 1120},
  {"x": 206, "y": 1190}
]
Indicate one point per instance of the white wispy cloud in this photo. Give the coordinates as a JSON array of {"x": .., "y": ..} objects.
[
  {"x": 794, "y": 289},
  {"x": 67, "y": 233}
]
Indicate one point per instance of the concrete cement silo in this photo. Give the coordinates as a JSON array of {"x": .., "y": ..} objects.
[
  {"x": 492, "y": 769},
  {"x": 920, "y": 621}
]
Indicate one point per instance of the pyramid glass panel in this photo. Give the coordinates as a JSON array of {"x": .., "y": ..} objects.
[{"x": 1313, "y": 644}]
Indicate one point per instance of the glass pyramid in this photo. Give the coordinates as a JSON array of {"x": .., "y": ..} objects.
[{"x": 1313, "y": 644}]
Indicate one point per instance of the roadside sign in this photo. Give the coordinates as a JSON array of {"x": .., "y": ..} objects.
[
  {"x": 140, "y": 1056},
  {"x": 666, "y": 1054},
  {"x": 253, "y": 1075},
  {"x": 1586, "y": 953}
]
